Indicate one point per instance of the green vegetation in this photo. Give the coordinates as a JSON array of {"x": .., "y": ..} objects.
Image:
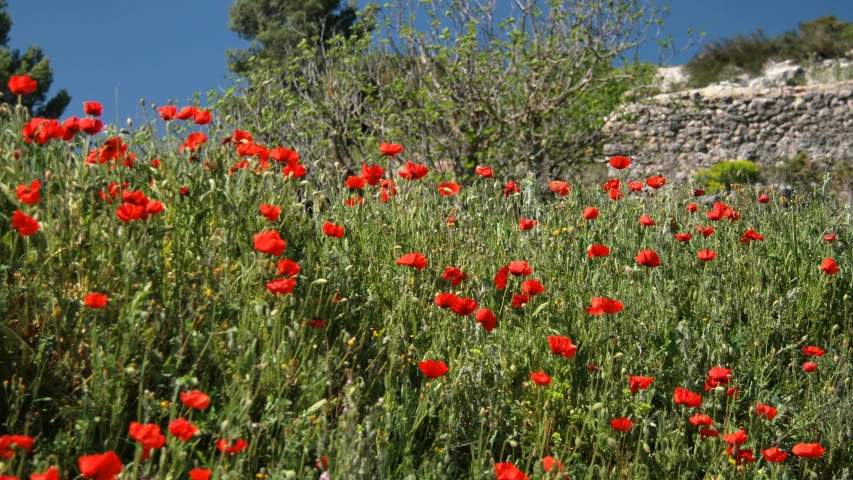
[{"x": 723, "y": 175}]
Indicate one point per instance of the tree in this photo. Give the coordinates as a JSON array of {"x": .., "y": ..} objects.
[
  {"x": 276, "y": 26},
  {"x": 32, "y": 63}
]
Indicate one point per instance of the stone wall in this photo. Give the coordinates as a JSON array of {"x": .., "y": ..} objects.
[{"x": 693, "y": 129}]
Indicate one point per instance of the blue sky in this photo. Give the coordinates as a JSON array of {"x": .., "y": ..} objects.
[{"x": 162, "y": 49}]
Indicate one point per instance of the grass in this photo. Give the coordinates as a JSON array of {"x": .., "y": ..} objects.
[{"x": 189, "y": 309}]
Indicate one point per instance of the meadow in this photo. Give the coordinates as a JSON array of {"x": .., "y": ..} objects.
[{"x": 191, "y": 304}]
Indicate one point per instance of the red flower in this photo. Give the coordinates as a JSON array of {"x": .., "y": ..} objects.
[
  {"x": 540, "y": 378},
  {"x": 24, "y": 224},
  {"x": 597, "y": 251},
  {"x": 93, "y": 108},
  {"x": 698, "y": 192},
  {"x": 750, "y": 235},
  {"x": 682, "y": 396},
  {"x": 195, "y": 399},
  {"x": 487, "y": 319},
  {"x": 103, "y": 466},
  {"x": 193, "y": 142},
  {"x": 51, "y": 474},
  {"x": 433, "y": 368},
  {"x": 720, "y": 375},
  {"x": 766, "y": 410},
  {"x": 520, "y": 300},
  {"x": 616, "y": 195},
  {"x": 732, "y": 392},
  {"x": 532, "y": 287},
  {"x": 763, "y": 199},
  {"x": 485, "y": 172},
  {"x": 128, "y": 212},
  {"x": 501, "y": 278},
  {"x": 186, "y": 113},
  {"x": 683, "y": 237},
  {"x": 692, "y": 208},
  {"x": 526, "y": 224},
  {"x": 708, "y": 432},
  {"x": 705, "y": 231},
  {"x": 612, "y": 184},
  {"x": 391, "y": 149},
  {"x": 22, "y": 442},
  {"x": 550, "y": 462},
  {"x": 590, "y": 213},
  {"x": 316, "y": 322},
  {"x": 167, "y": 112},
  {"x": 828, "y": 265},
  {"x": 464, "y": 306},
  {"x": 281, "y": 286},
  {"x": 450, "y": 221},
  {"x": 562, "y": 346},
  {"x": 288, "y": 268},
  {"x": 656, "y": 182},
  {"x": 830, "y": 237},
  {"x": 508, "y": 471},
  {"x": 700, "y": 419},
  {"x": 29, "y": 195},
  {"x": 185, "y": 192},
  {"x": 225, "y": 446},
  {"x": 296, "y": 171},
  {"x": 809, "y": 367},
  {"x": 285, "y": 155},
  {"x": 808, "y": 450},
  {"x": 445, "y": 300},
  {"x": 182, "y": 429},
  {"x": 354, "y": 201},
  {"x": 736, "y": 438},
  {"x": 602, "y": 305},
  {"x": 639, "y": 383},
  {"x": 95, "y": 300},
  {"x": 415, "y": 260},
  {"x": 560, "y": 188},
  {"x": 635, "y": 186},
  {"x": 706, "y": 255},
  {"x": 148, "y": 435},
  {"x": 413, "y": 171},
  {"x": 741, "y": 455},
  {"x": 620, "y": 163},
  {"x": 269, "y": 242},
  {"x": 91, "y": 126},
  {"x": 774, "y": 455},
  {"x": 519, "y": 268},
  {"x": 648, "y": 258},
  {"x": 454, "y": 275},
  {"x": 355, "y": 183},
  {"x": 271, "y": 212},
  {"x": 448, "y": 189},
  {"x": 332, "y": 230},
  {"x": 646, "y": 221},
  {"x": 720, "y": 211},
  {"x": 200, "y": 474},
  {"x": 812, "y": 350},
  {"x": 372, "y": 174},
  {"x": 22, "y": 85},
  {"x": 201, "y": 117},
  {"x": 621, "y": 424}
]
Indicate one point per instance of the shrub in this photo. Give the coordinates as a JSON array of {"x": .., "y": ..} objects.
[{"x": 726, "y": 174}]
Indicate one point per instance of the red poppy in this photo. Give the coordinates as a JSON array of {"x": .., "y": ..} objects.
[
  {"x": 285, "y": 155},
  {"x": 445, "y": 300},
  {"x": 732, "y": 392},
  {"x": 415, "y": 260},
  {"x": 355, "y": 183},
  {"x": 450, "y": 221},
  {"x": 590, "y": 213},
  {"x": 636, "y": 383},
  {"x": 24, "y": 224},
  {"x": 766, "y": 410},
  {"x": 828, "y": 265},
  {"x": 508, "y": 471},
  {"x": 646, "y": 221},
  {"x": 706, "y": 255},
  {"x": 550, "y": 462},
  {"x": 648, "y": 258},
  {"x": 511, "y": 188},
  {"x": 316, "y": 322},
  {"x": 148, "y": 435},
  {"x": 620, "y": 163},
  {"x": 182, "y": 429},
  {"x": 372, "y": 174},
  {"x": 296, "y": 171},
  {"x": 454, "y": 275},
  {"x": 616, "y": 195},
  {"x": 200, "y": 474},
  {"x": 559, "y": 187},
  {"x": 391, "y": 149},
  {"x": 519, "y": 268},
  {"x": 281, "y": 285},
  {"x": 736, "y": 438},
  {"x": 774, "y": 455},
  {"x": 612, "y": 184},
  {"x": 656, "y": 182},
  {"x": 830, "y": 237},
  {"x": 526, "y": 224},
  {"x": 193, "y": 142},
  {"x": 705, "y": 231},
  {"x": 698, "y": 192},
  {"x": 91, "y": 126},
  {"x": 562, "y": 346},
  {"x": 201, "y": 117},
  {"x": 692, "y": 208},
  {"x": 464, "y": 306},
  {"x": 597, "y": 251},
  {"x": 167, "y": 112},
  {"x": 22, "y": 85},
  {"x": 621, "y": 424},
  {"x": 808, "y": 450},
  {"x": 51, "y": 474},
  {"x": 812, "y": 350},
  {"x": 540, "y": 378},
  {"x": 708, "y": 432},
  {"x": 413, "y": 171},
  {"x": 448, "y": 189},
  {"x": 485, "y": 172},
  {"x": 720, "y": 375},
  {"x": 809, "y": 367},
  {"x": 750, "y": 235},
  {"x": 102, "y": 466},
  {"x": 520, "y": 300},
  {"x": 501, "y": 278},
  {"x": 701, "y": 419},
  {"x": 332, "y": 230},
  {"x": 185, "y": 192},
  {"x": 683, "y": 237},
  {"x": 635, "y": 186},
  {"x": 532, "y": 287},
  {"x": 269, "y": 242},
  {"x": 128, "y": 212},
  {"x": 720, "y": 211},
  {"x": 682, "y": 396},
  {"x": 741, "y": 455},
  {"x": 195, "y": 399},
  {"x": 602, "y": 305},
  {"x": 487, "y": 319},
  {"x": 93, "y": 108},
  {"x": 288, "y": 268},
  {"x": 22, "y": 442},
  {"x": 226, "y": 447},
  {"x": 433, "y": 368},
  {"x": 591, "y": 367},
  {"x": 271, "y": 212},
  {"x": 95, "y": 300},
  {"x": 186, "y": 113},
  {"x": 763, "y": 199},
  {"x": 72, "y": 128}
]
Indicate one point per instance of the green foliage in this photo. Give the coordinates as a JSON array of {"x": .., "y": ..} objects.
[
  {"x": 824, "y": 37},
  {"x": 723, "y": 175},
  {"x": 32, "y": 63}
]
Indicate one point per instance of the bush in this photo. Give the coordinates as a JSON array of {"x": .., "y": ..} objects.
[{"x": 723, "y": 175}]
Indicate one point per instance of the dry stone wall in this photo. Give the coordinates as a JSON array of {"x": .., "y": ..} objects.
[{"x": 693, "y": 129}]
